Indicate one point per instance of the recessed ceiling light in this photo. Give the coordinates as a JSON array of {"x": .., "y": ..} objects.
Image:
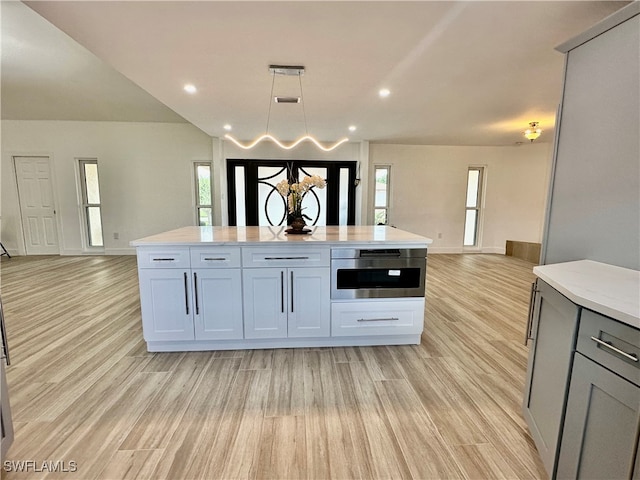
[
  {"x": 189, "y": 88},
  {"x": 227, "y": 127},
  {"x": 352, "y": 128},
  {"x": 384, "y": 92}
]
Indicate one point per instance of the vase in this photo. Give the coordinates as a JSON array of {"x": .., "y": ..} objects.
[{"x": 297, "y": 224}]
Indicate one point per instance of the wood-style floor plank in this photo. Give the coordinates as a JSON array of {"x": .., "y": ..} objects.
[
  {"x": 188, "y": 449},
  {"x": 282, "y": 449},
  {"x": 414, "y": 429},
  {"x": 385, "y": 456},
  {"x": 83, "y": 387}
]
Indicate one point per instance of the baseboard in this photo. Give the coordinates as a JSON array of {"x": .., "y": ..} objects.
[
  {"x": 444, "y": 250},
  {"x": 120, "y": 251},
  {"x": 456, "y": 250}
]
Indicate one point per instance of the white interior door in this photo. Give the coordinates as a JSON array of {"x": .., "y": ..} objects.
[{"x": 35, "y": 191}]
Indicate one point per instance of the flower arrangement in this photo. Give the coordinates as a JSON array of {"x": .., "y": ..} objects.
[{"x": 295, "y": 192}]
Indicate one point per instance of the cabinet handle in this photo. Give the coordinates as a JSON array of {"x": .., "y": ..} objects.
[
  {"x": 286, "y": 258},
  {"x": 195, "y": 292},
  {"x": 532, "y": 298},
  {"x": 186, "y": 293},
  {"x": 5, "y": 341},
  {"x": 631, "y": 356},
  {"x": 282, "y": 291},
  {"x": 164, "y": 259},
  {"x": 292, "y": 292},
  {"x": 377, "y": 319},
  {"x": 214, "y": 259}
]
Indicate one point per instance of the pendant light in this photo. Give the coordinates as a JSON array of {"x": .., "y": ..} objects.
[{"x": 286, "y": 70}]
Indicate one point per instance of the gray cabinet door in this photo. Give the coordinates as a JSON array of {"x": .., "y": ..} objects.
[
  {"x": 550, "y": 357},
  {"x": 601, "y": 426},
  {"x": 6, "y": 424}
]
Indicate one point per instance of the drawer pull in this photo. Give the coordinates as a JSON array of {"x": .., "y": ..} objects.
[
  {"x": 532, "y": 300},
  {"x": 214, "y": 259},
  {"x": 164, "y": 259},
  {"x": 377, "y": 319},
  {"x": 631, "y": 356},
  {"x": 286, "y": 258}
]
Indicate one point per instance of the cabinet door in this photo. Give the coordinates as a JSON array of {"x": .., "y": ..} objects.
[
  {"x": 165, "y": 300},
  {"x": 550, "y": 357},
  {"x": 601, "y": 425},
  {"x": 309, "y": 302},
  {"x": 265, "y": 302},
  {"x": 217, "y": 304}
]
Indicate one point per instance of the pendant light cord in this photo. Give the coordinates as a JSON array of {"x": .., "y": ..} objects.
[
  {"x": 273, "y": 81},
  {"x": 304, "y": 113}
]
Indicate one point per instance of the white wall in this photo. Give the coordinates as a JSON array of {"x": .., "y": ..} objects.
[
  {"x": 428, "y": 189},
  {"x": 147, "y": 186},
  {"x": 145, "y": 177}
]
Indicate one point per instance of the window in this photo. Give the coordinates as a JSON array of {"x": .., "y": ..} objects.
[
  {"x": 204, "y": 202},
  {"x": 472, "y": 208},
  {"x": 381, "y": 196},
  {"x": 91, "y": 201}
]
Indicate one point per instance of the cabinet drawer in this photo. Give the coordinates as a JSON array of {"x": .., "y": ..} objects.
[
  {"x": 215, "y": 257},
  {"x": 611, "y": 344},
  {"x": 170, "y": 257},
  {"x": 286, "y": 257},
  {"x": 374, "y": 317}
]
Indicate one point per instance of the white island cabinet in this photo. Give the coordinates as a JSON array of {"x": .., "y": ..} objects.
[
  {"x": 188, "y": 293},
  {"x": 215, "y": 288}
]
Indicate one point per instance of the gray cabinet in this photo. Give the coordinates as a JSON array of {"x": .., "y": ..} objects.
[
  {"x": 553, "y": 335},
  {"x": 600, "y": 436},
  {"x": 6, "y": 423},
  {"x": 601, "y": 426}
]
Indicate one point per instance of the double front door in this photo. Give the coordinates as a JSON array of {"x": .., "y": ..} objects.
[{"x": 254, "y": 199}]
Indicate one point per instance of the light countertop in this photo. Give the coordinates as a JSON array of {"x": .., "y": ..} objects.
[
  {"x": 334, "y": 235},
  {"x": 606, "y": 289}
]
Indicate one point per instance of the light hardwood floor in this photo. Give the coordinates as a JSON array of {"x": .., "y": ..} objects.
[{"x": 84, "y": 389}]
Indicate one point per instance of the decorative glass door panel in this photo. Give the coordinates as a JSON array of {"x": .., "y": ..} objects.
[
  {"x": 272, "y": 206},
  {"x": 314, "y": 203},
  {"x": 254, "y": 199}
]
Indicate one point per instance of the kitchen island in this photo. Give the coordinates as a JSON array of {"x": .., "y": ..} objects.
[{"x": 217, "y": 288}]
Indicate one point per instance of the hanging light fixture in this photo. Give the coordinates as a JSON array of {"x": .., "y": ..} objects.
[
  {"x": 533, "y": 131},
  {"x": 286, "y": 70}
]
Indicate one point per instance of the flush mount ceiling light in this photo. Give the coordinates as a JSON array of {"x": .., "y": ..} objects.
[
  {"x": 533, "y": 131},
  {"x": 189, "y": 88},
  {"x": 286, "y": 70}
]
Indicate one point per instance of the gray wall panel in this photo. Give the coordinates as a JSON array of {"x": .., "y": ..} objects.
[{"x": 595, "y": 198}]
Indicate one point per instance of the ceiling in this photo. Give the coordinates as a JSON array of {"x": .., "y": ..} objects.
[{"x": 460, "y": 73}]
